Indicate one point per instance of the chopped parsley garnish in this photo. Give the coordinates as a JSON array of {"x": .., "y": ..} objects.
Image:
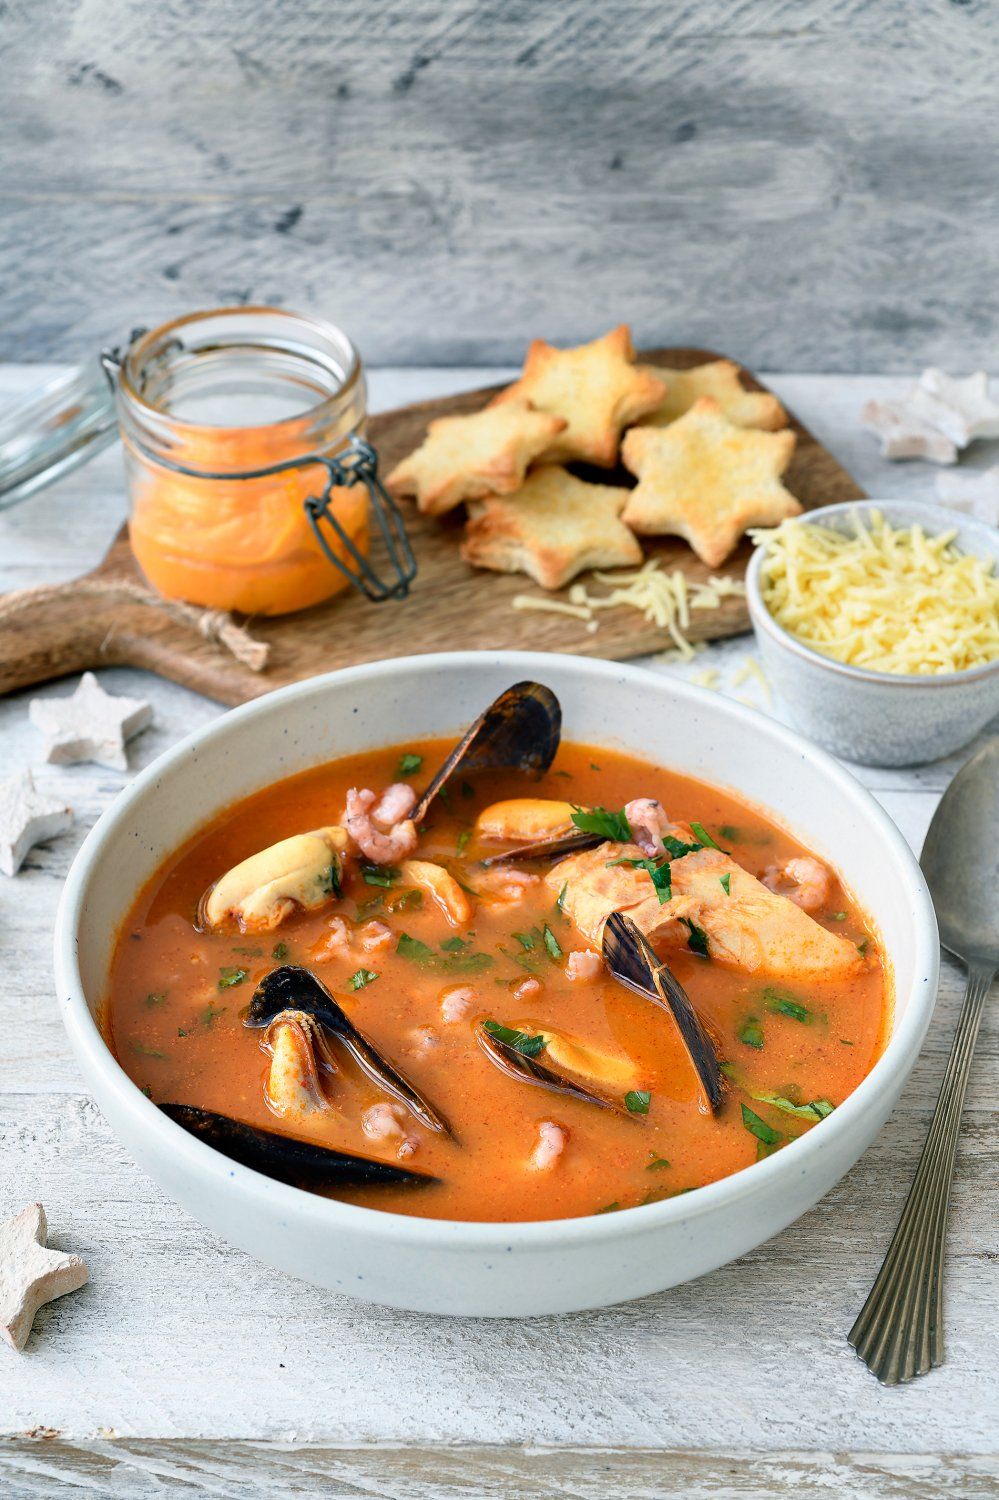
[
  {"x": 656, "y": 1164},
  {"x": 519, "y": 1041},
  {"x": 844, "y": 1043},
  {"x": 408, "y": 898},
  {"x": 658, "y": 874},
  {"x": 783, "y": 1005},
  {"x": 409, "y": 764},
  {"x": 817, "y": 1109},
  {"x": 155, "y": 997},
  {"x": 837, "y": 916},
  {"x": 637, "y": 1101},
  {"x": 229, "y": 977},
  {"x": 210, "y": 1015},
  {"x": 249, "y": 952},
  {"x": 862, "y": 947},
  {"x": 676, "y": 848},
  {"x": 463, "y": 840},
  {"x": 467, "y": 789},
  {"x": 560, "y": 900},
  {"x": 608, "y": 1208},
  {"x": 181, "y": 1031},
  {"x": 697, "y": 942},
  {"x": 725, "y": 881},
  {"x": 751, "y": 1033},
  {"x": 279, "y": 951},
  {"x": 361, "y": 978},
  {"x": 146, "y": 1051},
  {"x": 458, "y": 962},
  {"x": 329, "y": 880},
  {"x": 730, "y": 833},
  {"x": 383, "y": 875},
  {"x": 609, "y": 825},
  {"x": 455, "y": 944},
  {"x": 707, "y": 841},
  {"x": 762, "y": 1131},
  {"x": 525, "y": 939},
  {"x": 551, "y": 942}
]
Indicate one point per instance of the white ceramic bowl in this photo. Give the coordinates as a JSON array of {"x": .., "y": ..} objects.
[
  {"x": 879, "y": 718},
  {"x": 471, "y": 1268}
]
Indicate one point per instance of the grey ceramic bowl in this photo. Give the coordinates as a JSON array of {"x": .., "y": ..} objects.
[{"x": 878, "y": 718}]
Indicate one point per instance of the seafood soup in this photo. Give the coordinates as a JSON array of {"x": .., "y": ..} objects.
[{"x": 543, "y": 981}]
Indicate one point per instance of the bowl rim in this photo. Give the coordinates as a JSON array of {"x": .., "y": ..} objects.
[
  {"x": 283, "y": 1203},
  {"x": 944, "y": 520}
]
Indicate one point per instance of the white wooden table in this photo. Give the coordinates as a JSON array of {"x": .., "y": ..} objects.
[{"x": 186, "y": 1367}]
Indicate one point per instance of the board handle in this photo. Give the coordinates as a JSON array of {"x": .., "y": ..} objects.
[{"x": 50, "y": 631}]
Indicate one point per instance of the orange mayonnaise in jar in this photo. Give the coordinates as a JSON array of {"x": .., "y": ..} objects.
[{"x": 206, "y": 404}]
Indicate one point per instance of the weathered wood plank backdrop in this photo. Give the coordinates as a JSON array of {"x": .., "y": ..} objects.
[{"x": 810, "y": 183}]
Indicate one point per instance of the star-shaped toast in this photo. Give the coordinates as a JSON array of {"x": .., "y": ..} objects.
[
  {"x": 707, "y": 480},
  {"x": 720, "y": 379},
  {"x": 552, "y": 528},
  {"x": 31, "y": 1273},
  {"x": 596, "y": 387},
  {"x": 464, "y": 458}
]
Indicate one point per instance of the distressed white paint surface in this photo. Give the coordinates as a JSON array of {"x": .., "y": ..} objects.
[
  {"x": 177, "y": 1337},
  {"x": 453, "y": 177}
]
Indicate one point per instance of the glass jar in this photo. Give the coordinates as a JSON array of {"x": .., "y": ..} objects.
[{"x": 250, "y": 484}]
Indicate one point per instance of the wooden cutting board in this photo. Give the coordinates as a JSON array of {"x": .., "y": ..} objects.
[{"x": 111, "y": 617}]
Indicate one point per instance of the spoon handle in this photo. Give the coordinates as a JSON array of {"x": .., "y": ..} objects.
[{"x": 899, "y": 1333}]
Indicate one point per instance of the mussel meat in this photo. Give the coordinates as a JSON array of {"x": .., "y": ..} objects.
[
  {"x": 291, "y": 988},
  {"x": 526, "y": 1068},
  {"x": 297, "y": 874},
  {"x": 521, "y": 730},
  {"x": 633, "y": 963},
  {"x": 296, "y": 1162}
]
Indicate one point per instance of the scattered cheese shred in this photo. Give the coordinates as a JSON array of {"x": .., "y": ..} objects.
[
  {"x": 664, "y": 599},
  {"x": 752, "y": 671},
  {"x": 888, "y": 600}
]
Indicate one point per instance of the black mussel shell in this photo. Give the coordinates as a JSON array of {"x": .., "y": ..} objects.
[
  {"x": 630, "y": 958},
  {"x": 529, "y": 1070},
  {"x": 521, "y": 729},
  {"x": 296, "y": 1162},
  {"x": 295, "y": 988},
  {"x": 551, "y": 850}
]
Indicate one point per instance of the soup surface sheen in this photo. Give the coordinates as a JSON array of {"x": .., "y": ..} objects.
[{"x": 173, "y": 1012}]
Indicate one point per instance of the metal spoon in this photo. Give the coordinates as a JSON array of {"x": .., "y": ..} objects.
[{"x": 899, "y": 1333}]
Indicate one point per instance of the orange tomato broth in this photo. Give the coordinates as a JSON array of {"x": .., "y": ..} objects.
[
  {"x": 232, "y": 543},
  {"x": 178, "y": 1034}
]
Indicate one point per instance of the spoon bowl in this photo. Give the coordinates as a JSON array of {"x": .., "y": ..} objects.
[{"x": 960, "y": 860}]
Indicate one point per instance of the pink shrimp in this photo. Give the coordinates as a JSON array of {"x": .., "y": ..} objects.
[
  {"x": 375, "y": 935},
  {"x": 526, "y": 988},
  {"x": 648, "y": 821},
  {"x": 552, "y": 1141},
  {"x": 383, "y": 1122},
  {"x": 583, "y": 963},
  {"x": 506, "y": 886},
  {"x": 805, "y": 881},
  {"x": 458, "y": 1003},
  {"x": 335, "y": 942},
  {"x": 381, "y": 846},
  {"x": 397, "y": 802}
]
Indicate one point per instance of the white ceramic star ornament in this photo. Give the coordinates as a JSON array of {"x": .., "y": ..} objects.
[
  {"x": 961, "y": 409},
  {"x": 30, "y": 1273},
  {"x": 904, "y": 434},
  {"x": 27, "y": 817},
  {"x": 90, "y": 725},
  {"x": 974, "y": 493}
]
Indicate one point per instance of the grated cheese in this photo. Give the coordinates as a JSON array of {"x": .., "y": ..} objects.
[
  {"x": 664, "y": 599},
  {"x": 751, "y": 670},
  {"x": 889, "y": 600}
]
